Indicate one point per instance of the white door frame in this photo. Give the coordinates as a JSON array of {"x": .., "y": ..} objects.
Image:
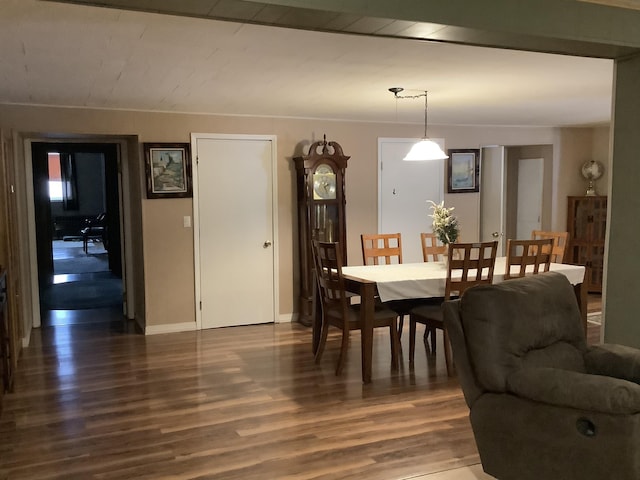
[
  {"x": 196, "y": 215},
  {"x": 498, "y": 185}
]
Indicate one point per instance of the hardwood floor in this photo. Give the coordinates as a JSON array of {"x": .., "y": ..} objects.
[
  {"x": 93, "y": 401},
  {"x": 594, "y": 302}
]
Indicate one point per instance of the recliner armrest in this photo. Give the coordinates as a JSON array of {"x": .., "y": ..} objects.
[
  {"x": 576, "y": 390},
  {"x": 617, "y": 361},
  {"x": 466, "y": 377}
]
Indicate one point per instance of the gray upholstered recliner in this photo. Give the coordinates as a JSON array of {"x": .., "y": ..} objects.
[{"x": 544, "y": 405}]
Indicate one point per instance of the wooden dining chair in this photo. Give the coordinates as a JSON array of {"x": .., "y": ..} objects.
[
  {"x": 527, "y": 257},
  {"x": 560, "y": 240},
  {"x": 385, "y": 249},
  {"x": 336, "y": 308},
  {"x": 469, "y": 264},
  {"x": 382, "y": 248},
  {"x": 432, "y": 251}
]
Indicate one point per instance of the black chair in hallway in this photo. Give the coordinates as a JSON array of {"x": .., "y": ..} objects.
[{"x": 95, "y": 229}]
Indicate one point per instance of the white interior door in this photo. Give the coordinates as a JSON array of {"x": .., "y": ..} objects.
[
  {"x": 235, "y": 226},
  {"x": 493, "y": 195},
  {"x": 404, "y": 189},
  {"x": 530, "y": 177}
]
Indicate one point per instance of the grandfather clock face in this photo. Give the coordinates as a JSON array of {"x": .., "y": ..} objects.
[{"x": 324, "y": 183}]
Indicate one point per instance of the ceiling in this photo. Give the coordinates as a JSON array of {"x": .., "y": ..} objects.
[{"x": 82, "y": 56}]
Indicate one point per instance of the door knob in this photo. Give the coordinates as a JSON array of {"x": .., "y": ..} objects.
[
  {"x": 266, "y": 244},
  {"x": 495, "y": 234}
]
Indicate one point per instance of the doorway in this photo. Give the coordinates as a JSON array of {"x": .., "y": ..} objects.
[
  {"x": 529, "y": 203},
  {"x": 77, "y": 229},
  {"x": 513, "y": 202}
]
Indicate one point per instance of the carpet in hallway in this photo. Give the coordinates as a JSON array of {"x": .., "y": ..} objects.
[
  {"x": 84, "y": 264},
  {"x": 96, "y": 293}
]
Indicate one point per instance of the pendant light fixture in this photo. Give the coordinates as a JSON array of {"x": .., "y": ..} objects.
[{"x": 425, "y": 149}]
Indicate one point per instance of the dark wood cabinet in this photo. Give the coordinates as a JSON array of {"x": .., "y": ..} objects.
[
  {"x": 586, "y": 224},
  {"x": 321, "y": 206}
]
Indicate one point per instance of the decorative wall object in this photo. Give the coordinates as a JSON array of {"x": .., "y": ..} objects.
[
  {"x": 168, "y": 169},
  {"x": 463, "y": 170}
]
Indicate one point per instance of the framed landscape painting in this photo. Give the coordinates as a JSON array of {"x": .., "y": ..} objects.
[
  {"x": 168, "y": 170},
  {"x": 463, "y": 170}
]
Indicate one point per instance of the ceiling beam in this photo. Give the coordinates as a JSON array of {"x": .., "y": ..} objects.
[{"x": 552, "y": 26}]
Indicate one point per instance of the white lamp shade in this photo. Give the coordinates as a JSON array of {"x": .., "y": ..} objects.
[{"x": 425, "y": 150}]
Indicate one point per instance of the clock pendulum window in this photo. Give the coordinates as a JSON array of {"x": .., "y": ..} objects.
[{"x": 321, "y": 207}]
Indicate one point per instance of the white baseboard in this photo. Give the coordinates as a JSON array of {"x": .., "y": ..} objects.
[
  {"x": 287, "y": 317},
  {"x": 190, "y": 326},
  {"x": 170, "y": 328}
]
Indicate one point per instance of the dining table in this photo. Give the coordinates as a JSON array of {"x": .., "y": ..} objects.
[{"x": 421, "y": 280}]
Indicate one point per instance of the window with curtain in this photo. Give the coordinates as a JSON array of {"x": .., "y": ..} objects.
[
  {"x": 63, "y": 180},
  {"x": 55, "y": 177}
]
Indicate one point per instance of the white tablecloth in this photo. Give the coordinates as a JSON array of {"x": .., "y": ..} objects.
[{"x": 426, "y": 280}]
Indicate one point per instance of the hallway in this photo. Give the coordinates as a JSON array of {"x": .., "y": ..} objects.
[{"x": 83, "y": 290}]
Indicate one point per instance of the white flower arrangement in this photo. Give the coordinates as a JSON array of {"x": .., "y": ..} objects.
[{"x": 444, "y": 225}]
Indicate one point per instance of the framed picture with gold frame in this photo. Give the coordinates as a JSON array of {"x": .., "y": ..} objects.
[
  {"x": 168, "y": 170},
  {"x": 463, "y": 170}
]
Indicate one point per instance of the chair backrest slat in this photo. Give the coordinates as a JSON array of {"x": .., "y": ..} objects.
[
  {"x": 560, "y": 240},
  {"x": 432, "y": 251},
  {"x": 469, "y": 264},
  {"x": 328, "y": 268},
  {"x": 385, "y": 247},
  {"x": 529, "y": 256}
]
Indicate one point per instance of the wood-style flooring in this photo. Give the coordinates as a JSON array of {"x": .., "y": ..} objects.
[{"x": 95, "y": 401}]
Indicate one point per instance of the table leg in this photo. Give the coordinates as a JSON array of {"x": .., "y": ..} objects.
[{"x": 367, "y": 296}]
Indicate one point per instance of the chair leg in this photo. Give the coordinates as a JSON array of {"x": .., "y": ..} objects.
[
  {"x": 323, "y": 340},
  {"x": 343, "y": 349},
  {"x": 400, "y": 325},
  {"x": 412, "y": 339},
  {"x": 447, "y": 353},
  {"x": 432, "y": 332},
  {"x": 395, "y": 346}
]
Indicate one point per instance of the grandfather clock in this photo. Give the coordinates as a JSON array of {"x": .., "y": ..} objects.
[{"x": 321, "y": 206}]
